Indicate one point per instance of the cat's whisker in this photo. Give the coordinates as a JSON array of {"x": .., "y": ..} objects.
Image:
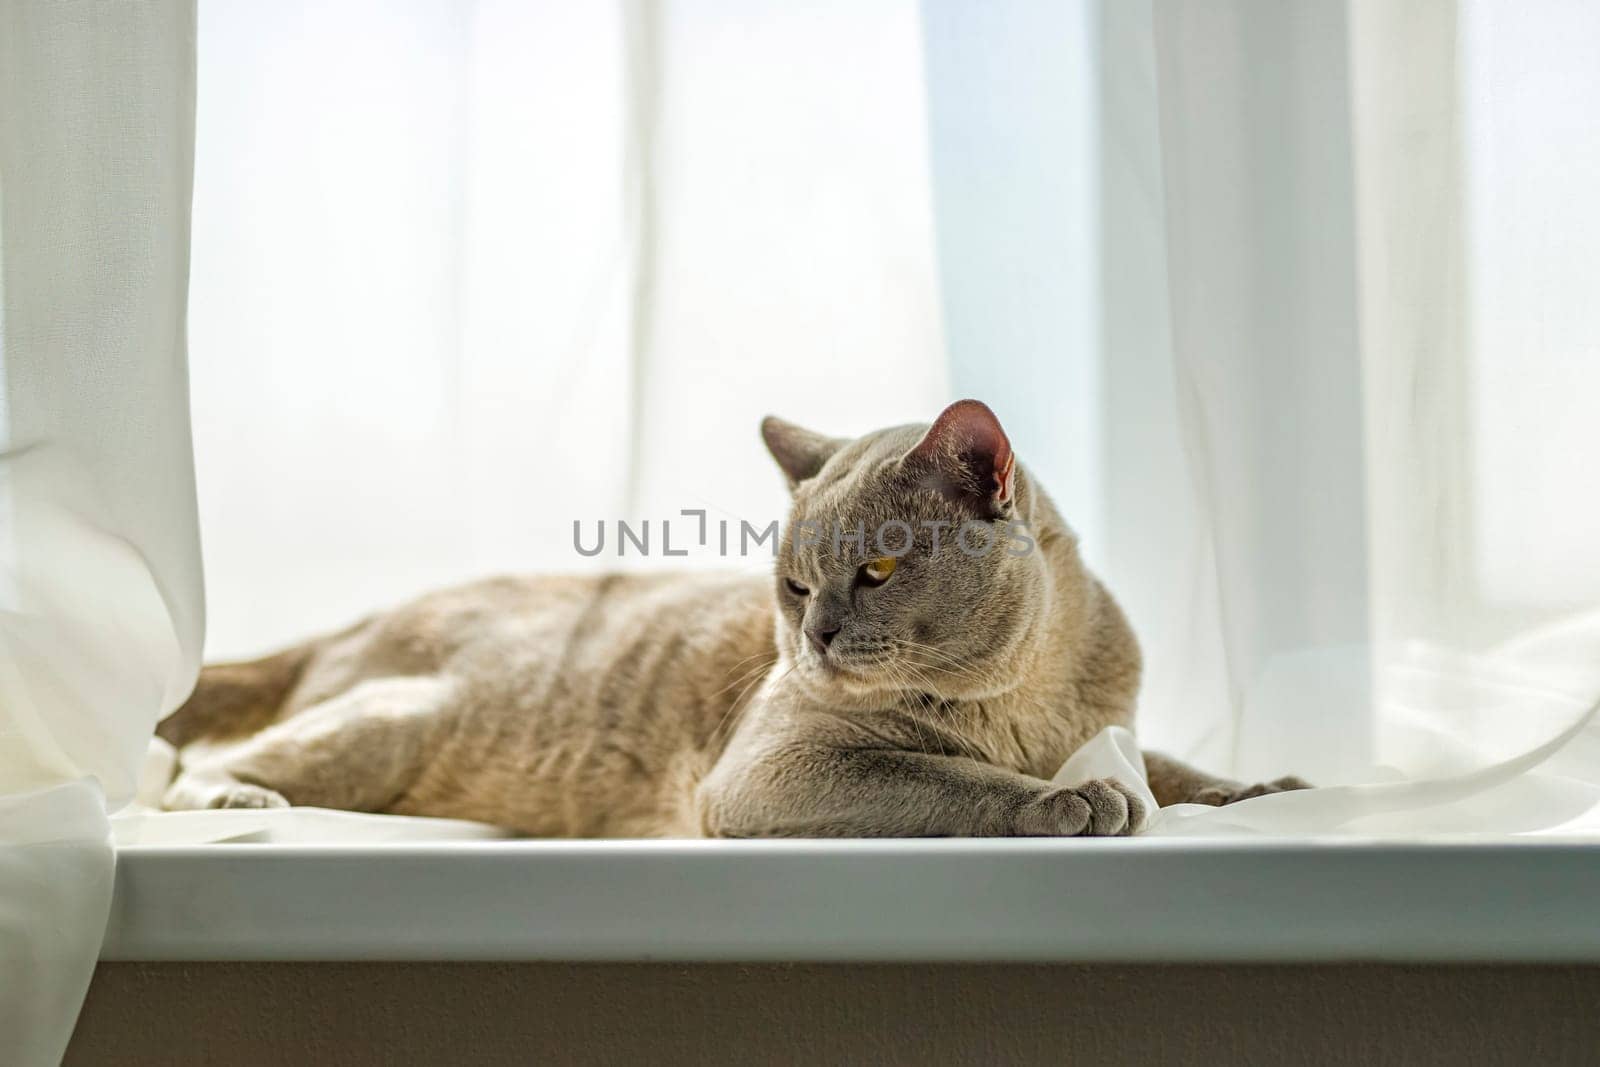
[
  {"x": 983, "y": 676},
  {"x": 931, "y": 687},
  {"x": 739, "y": 698},
  {"x": 955, "y": 669},
  {"x": 757, "y": 670},
  {"x": 766, "y": 652},
  {"x": 769, "y": 656},
  {"x": 969, "y": 712},
  {"x": 959, "y": 666},
  {"x": 897, "y": 673},
  {"x": 742, "y": 680},
  {"x": 939, "y": 655}
]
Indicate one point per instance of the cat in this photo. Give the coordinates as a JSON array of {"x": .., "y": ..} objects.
[{"x": 926, "y": 689}]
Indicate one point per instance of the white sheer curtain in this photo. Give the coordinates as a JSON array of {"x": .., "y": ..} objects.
[
  {"x": 1378, "y": 281},
  {"x": 100, "y": 596},
  {"x": 467, "y": 272}
]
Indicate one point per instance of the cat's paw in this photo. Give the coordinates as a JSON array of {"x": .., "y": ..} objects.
[
  {"x": 1101, "y": 808},
  {"x": 244, "y": 795},
  {"x": 191, "y": 793},
  {"x": 1232, "y": 792}
]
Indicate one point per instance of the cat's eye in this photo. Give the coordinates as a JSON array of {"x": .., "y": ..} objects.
[
  {"x": 795, "y": 587},
  {"x": 877, "y": 571}
]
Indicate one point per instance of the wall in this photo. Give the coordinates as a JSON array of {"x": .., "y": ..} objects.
[{"x": 440, "y": 1013}]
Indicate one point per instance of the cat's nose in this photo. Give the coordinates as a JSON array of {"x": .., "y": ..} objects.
[{"x": 821, "y": 639}]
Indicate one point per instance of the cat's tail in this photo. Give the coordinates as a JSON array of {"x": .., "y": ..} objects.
[{"x": 233, "y": 699}]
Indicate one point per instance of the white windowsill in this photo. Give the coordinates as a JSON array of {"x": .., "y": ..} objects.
[{"x": 1001, "y": 900}]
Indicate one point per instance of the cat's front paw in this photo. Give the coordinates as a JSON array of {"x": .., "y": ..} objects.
[
  {"x": 1101, "y": 808},
  {"x": 1232, "y": 792}
]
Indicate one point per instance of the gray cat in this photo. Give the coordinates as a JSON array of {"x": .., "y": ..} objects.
[{"x": 929, "y": 651}]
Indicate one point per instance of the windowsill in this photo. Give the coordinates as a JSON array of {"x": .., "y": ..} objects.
[{"x": 972, "y": 900}]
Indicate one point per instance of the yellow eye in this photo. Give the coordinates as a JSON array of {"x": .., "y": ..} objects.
[{"x": 878, "y": 571}]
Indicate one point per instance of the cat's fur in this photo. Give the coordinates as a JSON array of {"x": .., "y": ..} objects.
[{"x": 810, "y": 703}]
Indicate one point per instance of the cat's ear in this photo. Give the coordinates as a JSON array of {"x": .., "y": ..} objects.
[
  {"x": 798, "y": 451},
  {"x": 966, "y": 456}
]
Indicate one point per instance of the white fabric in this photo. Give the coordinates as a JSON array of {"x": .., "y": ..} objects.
[
  {"x": 1513, "y": 796},
  {"x": 100, "y": 595},
  {"x": 143, "y": 823}
]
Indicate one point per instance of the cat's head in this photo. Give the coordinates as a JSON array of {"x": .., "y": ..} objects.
[{"x": 913, "y": 560}]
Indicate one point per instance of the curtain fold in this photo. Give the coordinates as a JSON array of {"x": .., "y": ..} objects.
[
  {"x": 1326, "y": 204},
  {"x": 101, "y": 607},
  {"x": 1333, "y": 477},
  {"x": 1257, "y": 176}
]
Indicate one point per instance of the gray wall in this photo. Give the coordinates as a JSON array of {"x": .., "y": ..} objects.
[{"x": 439, "y": 1013}]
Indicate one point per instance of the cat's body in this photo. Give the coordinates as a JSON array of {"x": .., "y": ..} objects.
[
  {"x": 690, "y": 704},
  {"x": 604, "y": 733}
]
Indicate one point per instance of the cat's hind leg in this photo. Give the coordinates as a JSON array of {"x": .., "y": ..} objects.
[
  {"x": 359, "y": 751},
  {"x": 1175, "y": 782}
]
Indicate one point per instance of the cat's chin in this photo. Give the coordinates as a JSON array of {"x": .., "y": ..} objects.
[{"x": 830, "y": 680}]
